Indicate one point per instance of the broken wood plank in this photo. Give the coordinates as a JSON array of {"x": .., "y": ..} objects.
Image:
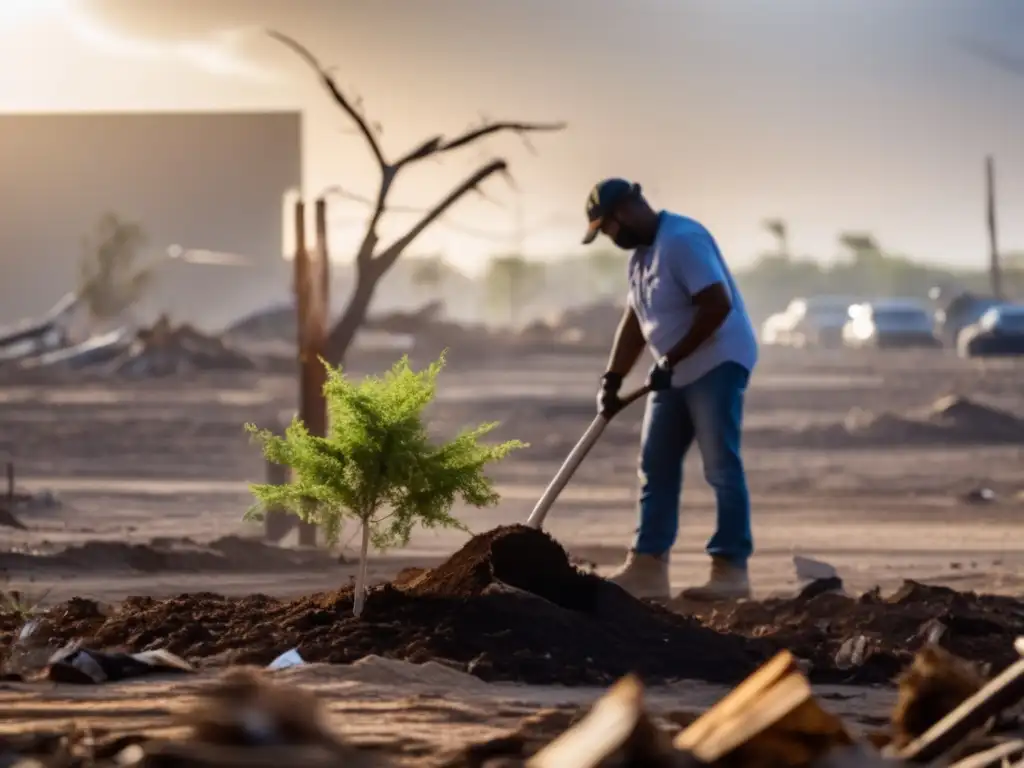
[
  {"x": 769, "y": 674},
  {"x": 784, "y": 726}
]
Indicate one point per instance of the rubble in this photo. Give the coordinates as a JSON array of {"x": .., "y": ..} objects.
[
  {"x": 946, "y": 715},
  {"x": 165, "y": 349}
]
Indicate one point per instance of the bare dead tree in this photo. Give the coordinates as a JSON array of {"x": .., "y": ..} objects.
[{"x": 372, "y": 259}]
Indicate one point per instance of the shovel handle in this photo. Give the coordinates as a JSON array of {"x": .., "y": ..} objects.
[{"x": 575, "y": 458}]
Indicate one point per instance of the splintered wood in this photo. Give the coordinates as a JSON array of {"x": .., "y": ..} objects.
[{"x": 773, "y": 719}]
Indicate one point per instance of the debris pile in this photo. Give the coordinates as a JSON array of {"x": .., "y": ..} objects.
[
  {"x": 774, "y": 719},
  {"x": 165, "y": 349},
  {"x": 945, "y": 715}
]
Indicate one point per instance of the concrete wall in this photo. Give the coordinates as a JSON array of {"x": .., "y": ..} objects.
[{"x": 213, "y": 181}]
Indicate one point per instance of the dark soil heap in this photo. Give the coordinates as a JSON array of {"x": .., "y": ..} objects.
[
  {"x": 507, "y": 606},
  {"x": 979, "y": 628}
]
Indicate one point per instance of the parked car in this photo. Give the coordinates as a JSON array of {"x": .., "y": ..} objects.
[
  {"x": 814, "y": 321},
  {"x": 999, "y": 332},
  {"x": 962, "y": 310},
  {"x": 890, "y": 323}
]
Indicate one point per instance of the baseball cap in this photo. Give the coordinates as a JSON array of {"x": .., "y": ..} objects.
[{"x": 603, "y": 198}]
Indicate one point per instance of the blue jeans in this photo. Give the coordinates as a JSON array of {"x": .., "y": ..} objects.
[{"x": 709, "y": 410}]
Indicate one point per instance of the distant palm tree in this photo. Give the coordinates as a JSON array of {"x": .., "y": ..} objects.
[
  {"x": 111, "y": 279},
  {"x": 780, "y": 231},
  {"x": 859, "y": 244}
]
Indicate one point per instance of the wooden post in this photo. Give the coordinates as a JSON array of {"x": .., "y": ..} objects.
[
  {"x": 310, "y": 369},
  {"x": 324, "y": 264},
  {"x": 995, "y": 270}
]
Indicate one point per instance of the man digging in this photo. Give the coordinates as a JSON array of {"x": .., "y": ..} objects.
[{"x": 684, "y": 305}]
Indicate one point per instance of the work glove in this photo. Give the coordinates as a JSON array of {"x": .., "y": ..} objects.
[
  {"x": 608, "y": 402},
  {"x": 660, "y": 376}
]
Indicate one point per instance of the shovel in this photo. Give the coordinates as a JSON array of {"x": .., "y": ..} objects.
[{"x": 575, "y": 458}]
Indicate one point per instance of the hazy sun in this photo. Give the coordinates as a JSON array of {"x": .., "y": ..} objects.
[{"x": 15, "y": 12}]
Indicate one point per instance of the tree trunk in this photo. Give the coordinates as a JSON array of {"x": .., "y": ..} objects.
[
  {"x": 344, "y": 331},
  {"x": 360, "y": 594}
]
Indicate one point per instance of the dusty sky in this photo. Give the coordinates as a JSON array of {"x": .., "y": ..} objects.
[{"x": 833, "y": 114}]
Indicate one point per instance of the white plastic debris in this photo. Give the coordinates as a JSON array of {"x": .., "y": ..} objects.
[
  {"x": 809, "y": 569},
  {"x": 287, "y": 659},
  {"x": 28, "y": 630},
  {"x": 852, "y": 652},
  {"x": 932, "y": 631}
]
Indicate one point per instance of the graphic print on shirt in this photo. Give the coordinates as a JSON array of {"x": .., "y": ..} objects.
[{"x": 644, "y": 281}]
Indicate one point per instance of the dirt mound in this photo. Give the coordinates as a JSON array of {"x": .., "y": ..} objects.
[
  {"x": 230, "y": 554},
  {"x": 510, "y": 606},
  {"x": 472, "y": 613},
  {"x": 871, "y": 638},
  {"x": 515, "y": 556},
  {"x": 953, "y": 419}
]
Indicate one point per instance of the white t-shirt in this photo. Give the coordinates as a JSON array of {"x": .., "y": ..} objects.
[{"x": 663, "y": 278}]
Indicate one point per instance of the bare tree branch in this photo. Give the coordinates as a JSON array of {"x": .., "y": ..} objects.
[
  {"x": 328, "y": 82},
  {"x": 439, "y": 145},
  {"x": 337, "y": 190},
  {"x": 390, "y": 254},
  {"x": 371, "y": 264}
]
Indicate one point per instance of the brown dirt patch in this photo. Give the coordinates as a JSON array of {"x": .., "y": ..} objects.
[
  {"x": 171, "y": 555},
  {"x": 508, "y": 606}
]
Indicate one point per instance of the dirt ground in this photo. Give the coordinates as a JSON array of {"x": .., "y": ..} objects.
[{"x": 846, "y": 464}]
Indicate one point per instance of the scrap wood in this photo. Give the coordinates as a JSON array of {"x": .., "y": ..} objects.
[
  {"x": 781, "y": 665},
  {"x": 771, "y": 718},
  {"x": 616, "y": 723},
  {"x": 1002, "y": 692}
]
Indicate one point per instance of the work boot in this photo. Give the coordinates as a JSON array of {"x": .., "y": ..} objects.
[
  {"x": 645, "y": 577},
  {"x": 728, "y": 582}
]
